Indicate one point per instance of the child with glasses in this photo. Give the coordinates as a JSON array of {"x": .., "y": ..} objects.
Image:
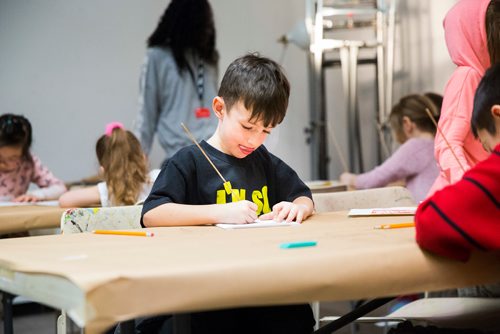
[{"x": 19, "y": 167}]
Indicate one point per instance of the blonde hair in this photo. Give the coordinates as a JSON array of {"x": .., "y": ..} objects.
[
  {"x": 414, "y": 107},
  {"x": 125, "y": 169}
]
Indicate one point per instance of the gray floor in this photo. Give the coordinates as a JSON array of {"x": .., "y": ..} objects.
[{"x": 35, "y": 320}]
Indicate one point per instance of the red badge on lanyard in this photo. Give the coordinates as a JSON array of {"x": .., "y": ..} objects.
[{"x": 201, "y": 112}]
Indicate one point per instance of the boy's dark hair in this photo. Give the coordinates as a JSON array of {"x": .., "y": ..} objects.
[
  {"x": 15, "y": 130},
  {"x": 492, "y": 22},
  {"x": 487, "y": 95},
  {"x": 260, "y": 84},
  {"x": 187, "y": 25}
]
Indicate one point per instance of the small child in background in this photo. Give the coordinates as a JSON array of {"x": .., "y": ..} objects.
[
  {"x": 413, "y": 161},
  {"x": 19, "y": 167},
  {"x": 124, "y": 168}
]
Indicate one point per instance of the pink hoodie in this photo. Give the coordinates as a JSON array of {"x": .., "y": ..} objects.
[{"x": 465, "y": 33}]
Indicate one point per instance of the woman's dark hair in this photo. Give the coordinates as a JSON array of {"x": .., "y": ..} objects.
[
  {"x": 414, "y": 107},
  {"x": 187, "y": 25},
  {"x": 492, "y": 22},
  {"x": 15, "y": 130}
]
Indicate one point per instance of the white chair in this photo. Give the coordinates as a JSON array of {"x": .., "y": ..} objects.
[
  {"x": 112, "y": 218},
  {"x": 82, "y": 220}
]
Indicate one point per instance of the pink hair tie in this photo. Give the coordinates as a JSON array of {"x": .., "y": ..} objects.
[{"x": 111, "y": 126}]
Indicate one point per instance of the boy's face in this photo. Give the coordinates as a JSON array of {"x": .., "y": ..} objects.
[
  {"x": 488, "y": 140},
  {"x": 238, "y": 135}
]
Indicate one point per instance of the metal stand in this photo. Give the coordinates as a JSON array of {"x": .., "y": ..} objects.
[{"x": 348, "y": 60}]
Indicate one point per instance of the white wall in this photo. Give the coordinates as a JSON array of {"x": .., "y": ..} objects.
[{"x": 73, "y": 66}]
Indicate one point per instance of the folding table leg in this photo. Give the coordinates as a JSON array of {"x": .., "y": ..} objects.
[
  {"x": 353, "y": 315},
  {"x": 8, "y": 325}
]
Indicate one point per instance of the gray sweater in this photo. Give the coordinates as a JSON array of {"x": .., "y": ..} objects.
[{"x": 169, "y": 97}]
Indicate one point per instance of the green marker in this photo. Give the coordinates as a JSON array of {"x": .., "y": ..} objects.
[{"x": 298, "y": 244}]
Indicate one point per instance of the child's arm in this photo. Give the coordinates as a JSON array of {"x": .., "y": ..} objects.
[
  {"x": 50, "y": 186},
  {"x": 173, "y": 214},
  {"x": 298, "y": 210},
  {"x": 80, "y": 197},
  {"x": 410, "y": 159}
]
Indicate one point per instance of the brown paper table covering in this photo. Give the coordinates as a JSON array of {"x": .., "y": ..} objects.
[
  {"x": 101, "y": 279},
  {"x": 28, "y": 217}
]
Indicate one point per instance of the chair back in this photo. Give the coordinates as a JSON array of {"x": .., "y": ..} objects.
[
  {"x": 109, "y": 218},
  {"x": 363, "y": 199}
]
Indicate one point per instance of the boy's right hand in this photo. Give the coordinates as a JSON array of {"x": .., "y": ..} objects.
[{"x": 241, "y": 212}]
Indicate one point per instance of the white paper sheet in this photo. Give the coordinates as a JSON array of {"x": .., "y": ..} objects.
[
  {"x": 394, "y": 211},
  {"x": 258, "y": 223}
]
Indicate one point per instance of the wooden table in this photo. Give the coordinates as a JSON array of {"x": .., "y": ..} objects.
[
  {"x": 28, "y": 217},
  {"x": 102, "y": 279}
]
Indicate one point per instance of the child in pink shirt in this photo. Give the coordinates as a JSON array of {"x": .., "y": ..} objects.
[
  {"x": 471, "y": 31},
  {"x": 19, "y": 168},
  {"x": 413, "y": 161}
]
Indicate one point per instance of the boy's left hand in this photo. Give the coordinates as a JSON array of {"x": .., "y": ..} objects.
[{"x": 287, "y": 211}]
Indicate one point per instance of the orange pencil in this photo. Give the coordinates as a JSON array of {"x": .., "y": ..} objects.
[
  {"x": 131, "y": 233},
  {"x": 399, "y": 225}
]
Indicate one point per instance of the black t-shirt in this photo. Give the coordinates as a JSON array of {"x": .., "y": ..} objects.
[{"x": 261, "y": 177}]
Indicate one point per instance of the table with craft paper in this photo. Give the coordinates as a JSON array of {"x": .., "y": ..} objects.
[
  {"x": 25, "y": 218},
  {"x": 102, "y": 279}
]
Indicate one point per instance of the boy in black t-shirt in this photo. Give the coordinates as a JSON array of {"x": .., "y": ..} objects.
[{"x": 252, "y": 100}]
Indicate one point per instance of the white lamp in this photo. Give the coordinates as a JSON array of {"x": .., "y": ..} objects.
[{"x": 297, "y": 35}]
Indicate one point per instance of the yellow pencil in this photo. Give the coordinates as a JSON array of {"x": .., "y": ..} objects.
[
  {"x": 389, "y": 226},
  {"x": 131, "y": 233}
]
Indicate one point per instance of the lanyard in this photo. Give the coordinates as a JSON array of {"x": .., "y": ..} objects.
[{"x": 199, "y": 81}]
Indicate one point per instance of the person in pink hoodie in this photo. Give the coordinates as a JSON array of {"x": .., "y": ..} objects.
[{"x": 471, "y": 32}]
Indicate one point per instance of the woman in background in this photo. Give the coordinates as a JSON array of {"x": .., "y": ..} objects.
[{"x": 179, "y": 77}]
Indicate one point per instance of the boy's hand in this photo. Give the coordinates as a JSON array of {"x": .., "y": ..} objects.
[
  {"x": 26, "y": 198},
  {"x": 241, "y": 212},
  {"x": 287, "y": 211}
]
